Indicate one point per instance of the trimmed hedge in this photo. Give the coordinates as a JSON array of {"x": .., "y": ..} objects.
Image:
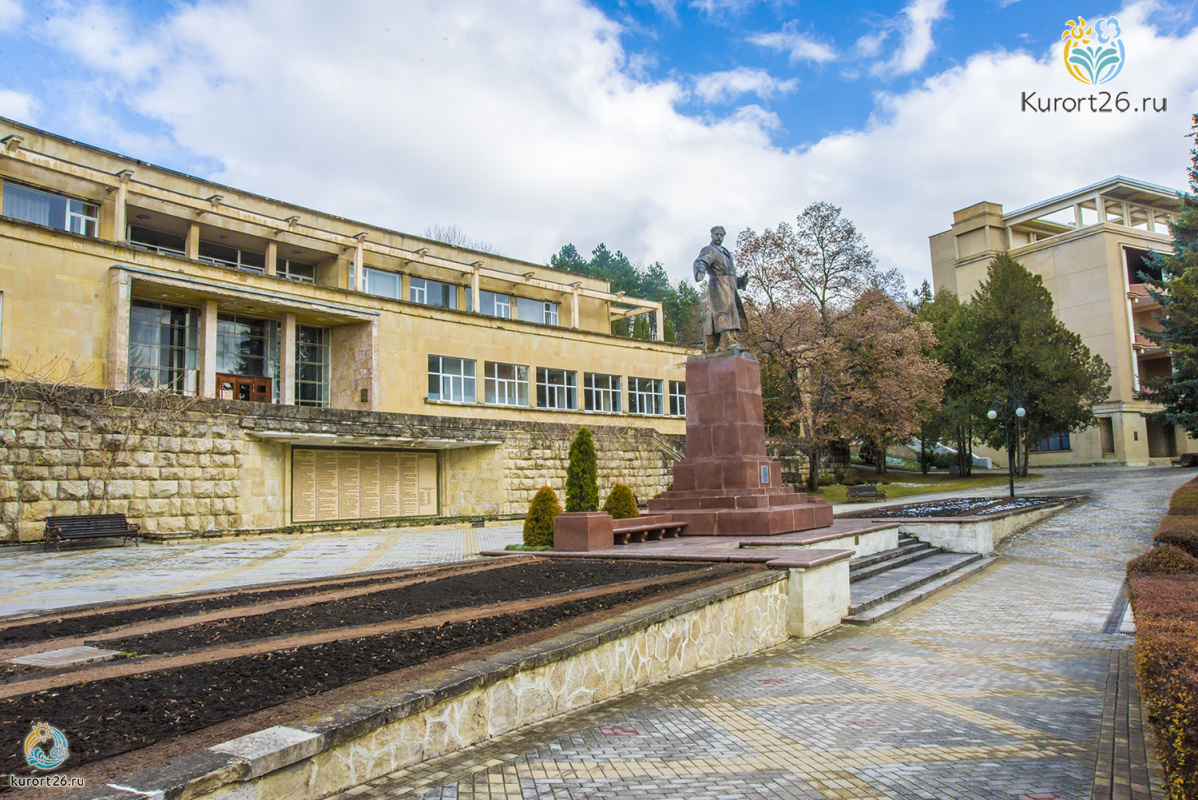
[
  {"x": 538, "y": 525},
  {"x": 621, "y": 503},
  {"x": 1163, "y": 588}
]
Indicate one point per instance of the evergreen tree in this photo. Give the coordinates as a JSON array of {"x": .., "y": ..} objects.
[
  {"x": 1177, "y": 294},
  {"x": 1025, "y": 354},
  {"x": 621, "y": 503},
  {"x": 538, "y": 524},
  {"x": 582, "y": 474},
  {"x": 963, "y": 407}
]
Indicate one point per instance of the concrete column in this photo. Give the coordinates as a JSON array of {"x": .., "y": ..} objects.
[
  {"x": 1151, "y": 220},
  {"x": 192, "y": 247},
  {"x": 475, "y": 300},
  {"x": 287, "y": 362},
  {"x": 120, "y": 215},
  {"x": 660, "y": 321},
  {"x": 359, "y": 272},
  {"x": 1100, "y": 208},
  {"x": 272, "y": 257},
  {"x": 120, "y": 292},
  {"x": 1126, "y": 214},
  {"x": 1077, "y": 216},
  {"x": 208, "y": 349},
  {"x": 575, "y": 296}
]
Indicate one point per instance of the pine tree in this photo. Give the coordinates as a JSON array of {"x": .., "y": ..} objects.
[
  {"x": 621, "y": 503},
  {"x": 1177, "y": 294},
  {"x": 582, "y": 474},
  {"x": 1026, "y": 355},
  {"x": 538, "y": 525}
]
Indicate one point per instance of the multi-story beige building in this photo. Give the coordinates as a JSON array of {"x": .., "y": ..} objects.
[
  {"x": 118, "y": 274},
  {"x": 1090, "y": 247}
]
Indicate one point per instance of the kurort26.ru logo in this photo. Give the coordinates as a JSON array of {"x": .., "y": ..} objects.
[{"x": 1094, "y": 53}]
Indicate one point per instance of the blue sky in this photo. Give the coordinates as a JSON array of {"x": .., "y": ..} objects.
[{"x": 639, "y": 123}]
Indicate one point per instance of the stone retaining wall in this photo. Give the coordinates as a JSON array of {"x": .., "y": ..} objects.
[{"x": 175, "y": 464}]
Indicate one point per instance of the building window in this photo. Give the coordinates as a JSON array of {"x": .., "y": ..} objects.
[
  {"x": 296, "y": 271},
  {"x": 312, "y": 351},
  {"x": 541, "y": 311},
  {"x": 247, "y": 346},
  {"x": 163, "y": 347},
  {"x": 383, "y": 284},
  {"x": 506, "y": 384},
  {"x": 224, "y": 255},
  {"x": 556, "y": 388},
  {"x": 1056, "y": 441},
  {"x": 451, "y": 379},
  {"x": 601, "y": 392},
  {"x": 51, "y": 210},
  {"x": 644, "y": 396},
  {"x": 433, "y": 293},
  {"x": 677, "y": 398},
  {"x": 160, "y": 242},
  {"x": 495, "y": 305}
]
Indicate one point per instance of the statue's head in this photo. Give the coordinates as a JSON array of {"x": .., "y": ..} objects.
[{"x": 717, "y": 234}]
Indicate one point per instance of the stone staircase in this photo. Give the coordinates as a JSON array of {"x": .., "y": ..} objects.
[{"x": 887, "y": 582}]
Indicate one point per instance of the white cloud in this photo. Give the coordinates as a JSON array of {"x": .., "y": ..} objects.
[
  {"x": 523, "y": 127},
  {"x": 17, "y": 105},
  {"x": 718, "y": 7},
  {"x": 800, "y": 46},
  {"x": 917, "y": 43},
  {"x": 10, "y": 13},
  {"x": 718, "y": 87}
]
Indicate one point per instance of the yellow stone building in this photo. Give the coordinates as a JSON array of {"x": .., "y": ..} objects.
[
  {"x": 119, "y": 274},
  {"x": 1089, "y": 246}
]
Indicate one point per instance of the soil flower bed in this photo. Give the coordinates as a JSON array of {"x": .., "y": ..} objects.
[
  {"x": 956, "y": 507},
  {"x": 206, "y": 672}
]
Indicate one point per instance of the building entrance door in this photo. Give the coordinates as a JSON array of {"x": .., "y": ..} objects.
[
  {"x": 244, "y": 387},
  {"x": 1162, "y": 441}
]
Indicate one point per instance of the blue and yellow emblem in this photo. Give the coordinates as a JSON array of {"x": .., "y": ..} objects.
[
  {"x": 40, "y": 757},
  {"x": 1094, "y": 52}
]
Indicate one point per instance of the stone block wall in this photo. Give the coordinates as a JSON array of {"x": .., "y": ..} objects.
[{"x": 176, "y": 465}]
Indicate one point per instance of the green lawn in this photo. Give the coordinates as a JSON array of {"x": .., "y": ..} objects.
[{"x": 905, "y": 484}]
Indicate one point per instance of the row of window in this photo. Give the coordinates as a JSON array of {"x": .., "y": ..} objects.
[
  {"x": 445, "y": 295},
  {"x": 455, "y": 380},
  {"x": 164, "y": 351},
  {"x": 81, "y": 217}
]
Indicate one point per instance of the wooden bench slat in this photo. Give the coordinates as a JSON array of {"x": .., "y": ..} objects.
[{"x": 89, "y": 526}]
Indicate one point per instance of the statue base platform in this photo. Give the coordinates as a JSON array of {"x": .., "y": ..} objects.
[{"x": 727, "y": 485}]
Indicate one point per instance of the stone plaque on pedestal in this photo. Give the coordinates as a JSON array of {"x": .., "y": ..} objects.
[{"x": 727, "y": 485}]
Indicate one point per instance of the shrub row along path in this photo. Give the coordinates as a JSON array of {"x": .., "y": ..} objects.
[{"x": 991, "y": 689}]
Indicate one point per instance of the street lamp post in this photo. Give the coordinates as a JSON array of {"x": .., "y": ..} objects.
[{"x": 1007, "y": 410}]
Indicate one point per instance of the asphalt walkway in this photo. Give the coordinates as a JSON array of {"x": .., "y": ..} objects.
[{"x": 992, "y": 689}]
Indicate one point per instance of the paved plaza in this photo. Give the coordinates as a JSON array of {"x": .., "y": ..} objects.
[
  {"x": 992, "y": 689},
  {"x": 33, "y": 580}
]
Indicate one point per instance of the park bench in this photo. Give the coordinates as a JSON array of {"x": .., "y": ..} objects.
[
  {"x": 1186, "y": 460},
  {"x": 646, "y": 529},
  {"x": 89, "y": 526},
  {"x": 867, "y": 491}
]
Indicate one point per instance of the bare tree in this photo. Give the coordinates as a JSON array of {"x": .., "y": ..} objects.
[{"x": 456, "y": 236}]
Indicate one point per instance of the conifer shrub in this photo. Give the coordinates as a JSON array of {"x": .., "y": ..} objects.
[
  {"x": 582, "y": 474},
  {"x": 538, "y": 525},
  {"x": 621, "y": 503}
]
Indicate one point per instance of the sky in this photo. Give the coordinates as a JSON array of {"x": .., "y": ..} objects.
[{"x": 530, "y": 124}]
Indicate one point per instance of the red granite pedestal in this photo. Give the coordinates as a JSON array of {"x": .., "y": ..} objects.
[{"x": 727, "y": 485}]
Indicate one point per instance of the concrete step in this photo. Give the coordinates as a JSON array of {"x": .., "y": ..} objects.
[
  {"x": 887, "y": 555},
  {"x": 890, "y": 584},
  {"x": 969, "y": 565},
  {"x": 895, "y": 561}
]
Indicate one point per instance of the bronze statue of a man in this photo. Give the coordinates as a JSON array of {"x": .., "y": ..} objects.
[{"x": 725, "y": 314}]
